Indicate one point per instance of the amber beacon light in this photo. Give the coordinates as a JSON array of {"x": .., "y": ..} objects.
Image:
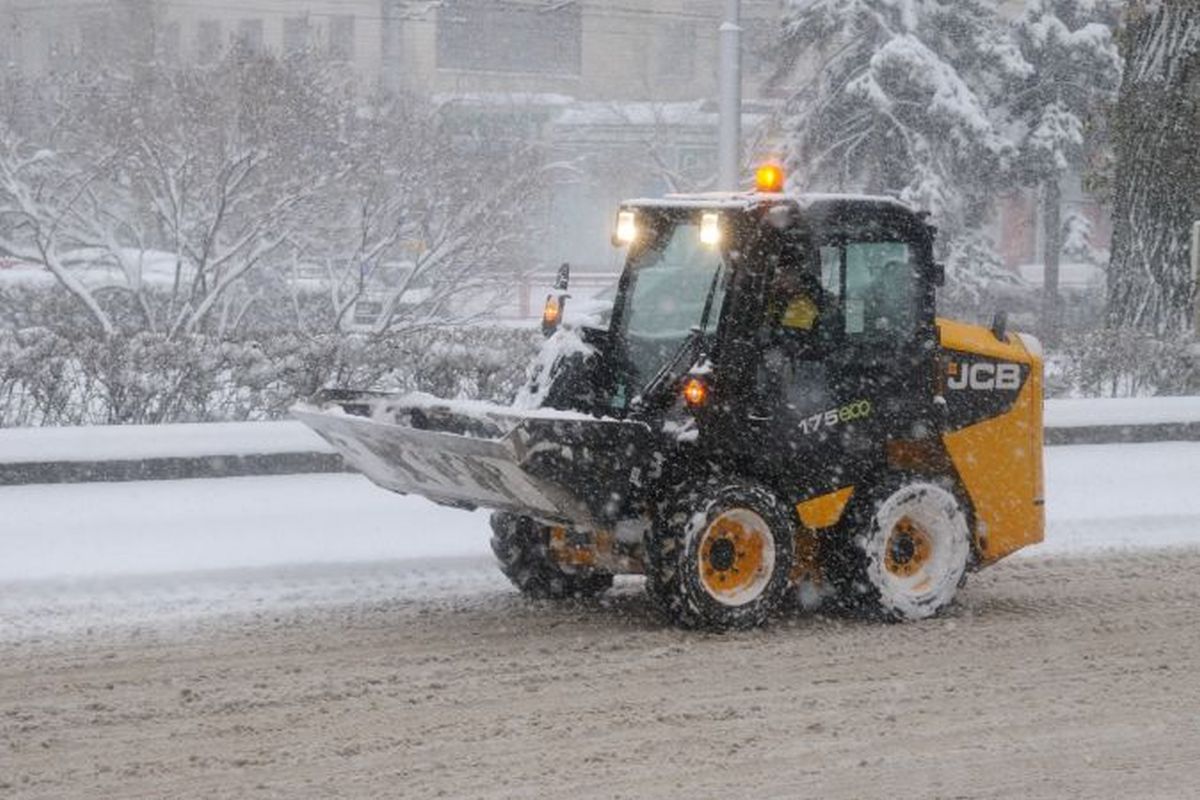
[
  {"x": 769, "y": 178},
  {"x": 695, "y": 392}
]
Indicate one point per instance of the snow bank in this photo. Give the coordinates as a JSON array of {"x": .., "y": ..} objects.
[
  {"x": 1098, "y": 496},
  {"x": 136, "y": 442},
  {"x": 159, "y": 527},
  {"x": 1116, "y": 412},
  {"x": 1121, "y": 496}
]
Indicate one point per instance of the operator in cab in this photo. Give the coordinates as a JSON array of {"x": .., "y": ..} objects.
[
  {"x": 791, "y": 374},
  {"x": 796, "y": 303},
  {"x": 797, "y": 297}
]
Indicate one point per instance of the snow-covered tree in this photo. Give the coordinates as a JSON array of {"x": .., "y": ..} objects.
[
  {"x": 976, "y": 277},
  {"x": 1078, "y": 242},
  {"x": 1075, "y": 71},
  {"x": 51, "y": 207},
  {"x": 422, "y": 222},
  {"x": 1157, "y": 145},
  {"x": 206, "y": 164},
  {"x": 239, "y": 171},
  {"x": 895, "y": 96}
]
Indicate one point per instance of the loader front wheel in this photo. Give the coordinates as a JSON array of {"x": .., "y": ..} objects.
[
  {"x": 722, "y": 558},
  {"x": 522, "y": 546},
  {"x": 906, "y": 550}
]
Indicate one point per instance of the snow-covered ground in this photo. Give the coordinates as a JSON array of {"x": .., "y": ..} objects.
[
  {"x": 328, "y": 634},
  {"x": 82, "y": 557},
  {"x": 78, "y": 557},
  {"x": 1098, "y": 496},
  {"x": 1121, "y": 496},
  {"x": 163, "y": 526}
]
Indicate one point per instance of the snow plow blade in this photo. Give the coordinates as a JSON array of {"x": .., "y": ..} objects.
[{"x": 555, "y": 465}]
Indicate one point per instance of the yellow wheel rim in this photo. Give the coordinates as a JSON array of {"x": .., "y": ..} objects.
[
  {"x": 908, "y": 550},
  {"x": 736, "y": 557}
]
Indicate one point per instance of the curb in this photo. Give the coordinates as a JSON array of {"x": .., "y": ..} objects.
[
  {"x": 1125, "y": 434},
  {"x": 166, "y": 469}
]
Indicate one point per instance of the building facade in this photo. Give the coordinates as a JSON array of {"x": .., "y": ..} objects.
[
  {"x": 625, "y": 89},
  {"x": 588, "y": 50}
]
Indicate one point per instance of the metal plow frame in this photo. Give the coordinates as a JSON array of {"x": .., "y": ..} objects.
[{"x": 506, "y": 471}]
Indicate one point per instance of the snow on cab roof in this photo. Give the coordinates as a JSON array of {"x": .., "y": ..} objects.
[{"x": 746, "y": 200}]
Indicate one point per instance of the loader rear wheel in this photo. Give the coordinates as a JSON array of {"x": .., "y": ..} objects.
[
  {"x": 907, "y": 551},
  {"x": 722, "y": 559},
  {"x": 522, "y": 546}
]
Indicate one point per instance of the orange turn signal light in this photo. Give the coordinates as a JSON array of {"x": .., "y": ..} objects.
[
  {"x": 552, "y": 311},
  {"x": 769, "y": 178},
  {"x": 695, "y": 392}
]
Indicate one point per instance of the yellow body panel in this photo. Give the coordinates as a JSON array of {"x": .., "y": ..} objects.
[
  {"x": 826, "y": 510},
  {"x": 1000, "y": 459}
]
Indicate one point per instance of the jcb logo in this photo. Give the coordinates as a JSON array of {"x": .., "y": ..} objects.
[{"x": 984, "y": 375}]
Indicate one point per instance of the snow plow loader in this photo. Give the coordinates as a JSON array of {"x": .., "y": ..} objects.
[{"x": 772, "y": 414}]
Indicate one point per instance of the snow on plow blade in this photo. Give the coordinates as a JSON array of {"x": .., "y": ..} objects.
[{"x": 553, "y": 464}]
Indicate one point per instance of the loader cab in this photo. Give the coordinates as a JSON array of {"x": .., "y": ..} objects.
[
  {"x": 864, "y": 372},
  {"x": 809, "y": 321}
]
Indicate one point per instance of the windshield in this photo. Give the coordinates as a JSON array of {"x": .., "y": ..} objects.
[{"x": 676, "y": 284}]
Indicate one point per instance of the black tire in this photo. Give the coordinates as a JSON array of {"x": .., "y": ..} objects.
[
  {"x": 902, "y": 551},
  {"x": 522, "y": 546},
  {"x": 693, "y": 555}
]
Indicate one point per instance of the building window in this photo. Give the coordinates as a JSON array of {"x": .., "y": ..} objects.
[
  {"x": 392, "y": 45},
  {"x": 95, "y": 41},
  {"x": 208, "y": 40},
  {"x": 760, "y": 52},
  {"x": 697, "y": 163},
  {"x": 341, "y": 37},
  {"x": 295, "y": 35},
  {"x": 168, "y": 42},
  {"x": 505, "y": 37},
  {"x": 675, "y": 55},
  {"x": 250, "y": 36}
]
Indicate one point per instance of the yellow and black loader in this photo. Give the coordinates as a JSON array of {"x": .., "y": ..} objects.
[{"x": 773, "y": 410}]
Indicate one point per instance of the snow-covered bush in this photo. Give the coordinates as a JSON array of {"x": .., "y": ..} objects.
[
  {"x": 1123, "y": 363},
  {"x": 49, "y": 378}
]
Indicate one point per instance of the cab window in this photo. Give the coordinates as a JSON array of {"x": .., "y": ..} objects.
[
  {"x": 797, "y": 299},
  {"x": 878, "y": 283}
]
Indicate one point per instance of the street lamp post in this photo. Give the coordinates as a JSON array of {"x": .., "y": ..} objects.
[{"x": 729, "y": 144}]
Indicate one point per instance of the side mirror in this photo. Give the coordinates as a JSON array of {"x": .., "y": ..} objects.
[
  {"x": 1000, "y": 326},
  {"x": 556, "y": 301},
  {"x": 937, "y": 274}
]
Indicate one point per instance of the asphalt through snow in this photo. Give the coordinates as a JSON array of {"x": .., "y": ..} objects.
[{"x": 1051, "y": 678}]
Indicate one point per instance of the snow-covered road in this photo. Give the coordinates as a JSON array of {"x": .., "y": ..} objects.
[{"x": 313, "y": 636}]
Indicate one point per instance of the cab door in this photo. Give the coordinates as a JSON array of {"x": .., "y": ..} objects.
[
  {"x": 792, "y": 395},
  {"x": 882, "y": 361},
  {"x": 819, "y": 405}
]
